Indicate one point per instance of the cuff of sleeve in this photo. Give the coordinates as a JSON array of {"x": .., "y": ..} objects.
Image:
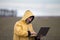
[{"x": 29, "y": 33}]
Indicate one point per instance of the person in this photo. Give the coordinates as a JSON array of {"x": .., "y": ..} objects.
[{"x": 23, "y": 28}]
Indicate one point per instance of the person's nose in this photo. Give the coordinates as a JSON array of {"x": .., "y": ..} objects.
[{"x": 30, "y": 19}]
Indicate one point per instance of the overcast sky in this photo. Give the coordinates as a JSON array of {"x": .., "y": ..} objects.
[{"x": 38, "y": 7}]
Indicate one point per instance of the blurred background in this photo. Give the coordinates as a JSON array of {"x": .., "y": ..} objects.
[{"x": 47, "y": 14}]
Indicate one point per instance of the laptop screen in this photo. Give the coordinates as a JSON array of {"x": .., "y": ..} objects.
[{"x": 43, "y": 31}]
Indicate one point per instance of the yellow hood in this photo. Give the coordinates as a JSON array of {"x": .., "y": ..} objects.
[{"x": 27, "y": 14}]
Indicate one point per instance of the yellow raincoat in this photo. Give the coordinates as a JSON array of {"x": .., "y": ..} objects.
[{"x": 21, "y": 28}]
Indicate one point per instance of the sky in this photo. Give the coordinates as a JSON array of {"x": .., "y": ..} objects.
[{"x": 38, "y": 7}]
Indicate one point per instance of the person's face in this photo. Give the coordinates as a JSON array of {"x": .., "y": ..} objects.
[{"x": 28, "y": 20}]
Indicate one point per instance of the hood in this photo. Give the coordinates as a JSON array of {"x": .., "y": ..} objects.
[{"x": 27, "y": 14}]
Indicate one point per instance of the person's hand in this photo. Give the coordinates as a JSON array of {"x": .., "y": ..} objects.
[{"x": 33, "y": 33}]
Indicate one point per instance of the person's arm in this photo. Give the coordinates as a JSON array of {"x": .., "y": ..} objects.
[
  {"x": 33, "y": 33},
  {"x": 31, "y": 28},
  {"x": 18, "y": 30}
]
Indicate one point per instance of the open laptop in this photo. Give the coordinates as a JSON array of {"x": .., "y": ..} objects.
[{"x": 43, "y": 31}]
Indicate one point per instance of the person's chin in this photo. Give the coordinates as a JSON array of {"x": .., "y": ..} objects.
[{"x": 28, "y": 22}]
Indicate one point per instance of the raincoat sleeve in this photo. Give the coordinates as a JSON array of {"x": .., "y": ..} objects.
[
  {"x": 31, "y": 28},
  {"x": 18, "y": 30}
]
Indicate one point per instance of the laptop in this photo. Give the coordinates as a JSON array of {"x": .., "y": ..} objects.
[{"x": 43, "y": 31}]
